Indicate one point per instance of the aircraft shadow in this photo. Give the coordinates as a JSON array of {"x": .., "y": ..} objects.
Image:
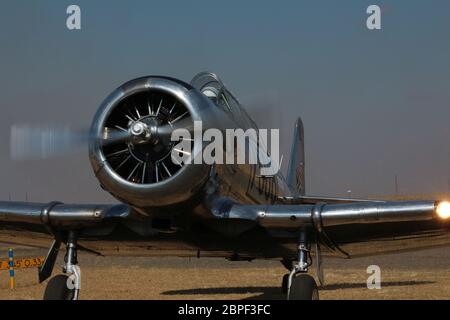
[{"x": 275, "y": 292}]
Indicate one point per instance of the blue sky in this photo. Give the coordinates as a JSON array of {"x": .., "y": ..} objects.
[{"x": 374, "y": 103}]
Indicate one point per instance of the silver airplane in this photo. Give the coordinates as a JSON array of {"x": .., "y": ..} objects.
[{"x": 200, "y": 210}]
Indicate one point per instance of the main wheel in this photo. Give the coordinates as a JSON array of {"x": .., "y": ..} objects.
[
  {"x": 57, "y": 289},
  {"x": 303, "y": 287},
  {"x": 284, "y": 283}
]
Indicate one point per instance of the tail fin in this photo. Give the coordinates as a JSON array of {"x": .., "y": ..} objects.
[{"x": 296, "y": 168}]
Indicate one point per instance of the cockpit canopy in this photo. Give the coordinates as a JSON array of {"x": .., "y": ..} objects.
[{"x": 211, "y": 86}]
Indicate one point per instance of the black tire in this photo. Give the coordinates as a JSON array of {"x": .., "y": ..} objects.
[
  {"x": 303, "y": 287},
  {"x": 284, "y": 284},
  {"x": 57, "y": 289}
]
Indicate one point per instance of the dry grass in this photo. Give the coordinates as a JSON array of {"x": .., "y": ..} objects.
[{"x": 111, "y": 278}]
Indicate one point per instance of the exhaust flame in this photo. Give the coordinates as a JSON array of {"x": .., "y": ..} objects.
[{"x": 443, "y": 210}]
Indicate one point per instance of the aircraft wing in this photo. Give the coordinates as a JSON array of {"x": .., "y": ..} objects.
[
  {"x": 63, "y": 221},
  {"x": 56, "y": 216},
  {"x": 334, "y": 223},
  {"x": 365, "y": 227},
  {"x": 322, "y": 214}
]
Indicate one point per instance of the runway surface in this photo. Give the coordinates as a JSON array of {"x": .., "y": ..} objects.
[{"x": 416, "y": 275}]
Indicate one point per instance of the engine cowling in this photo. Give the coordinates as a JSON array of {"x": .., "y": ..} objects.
[{"x": 138, "y": 169}]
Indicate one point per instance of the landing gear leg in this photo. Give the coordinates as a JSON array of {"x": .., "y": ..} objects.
[
  {"x": 285, "y": 283},
  {"x": 287, "y": 263},
  {"x": 302, "y": 286},
  {"x": 66, "y": 286}
]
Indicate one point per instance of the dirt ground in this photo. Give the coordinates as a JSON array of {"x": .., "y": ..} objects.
[{"x": 419, "y": 275}]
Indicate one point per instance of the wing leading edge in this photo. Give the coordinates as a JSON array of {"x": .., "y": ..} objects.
[{"x": 56, "y": 215}]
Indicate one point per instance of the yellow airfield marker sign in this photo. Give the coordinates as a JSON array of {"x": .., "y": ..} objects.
[
  {"x": 23, "y": 263},
  {"x": 12, "y": 264}
]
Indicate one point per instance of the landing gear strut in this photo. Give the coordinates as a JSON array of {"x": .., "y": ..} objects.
[
  {"x": 298, "y": 284},
  {"x": 64, "y": 286}
]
